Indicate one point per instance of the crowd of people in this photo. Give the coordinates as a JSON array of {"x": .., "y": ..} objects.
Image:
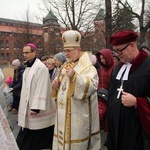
[{"x": 65, "y": 100}]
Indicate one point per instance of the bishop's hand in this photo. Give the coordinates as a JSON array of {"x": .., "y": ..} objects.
[
  {"x": 55, "y": 83},
  {"x": 70, "y": 72},
  {"x": 128, "y": 99}
]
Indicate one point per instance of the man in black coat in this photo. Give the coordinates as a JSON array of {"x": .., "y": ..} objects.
[{"x": 129, "y": 92}]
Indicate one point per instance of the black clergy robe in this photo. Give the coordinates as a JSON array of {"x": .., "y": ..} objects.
[{"x": 126, "y": 130}]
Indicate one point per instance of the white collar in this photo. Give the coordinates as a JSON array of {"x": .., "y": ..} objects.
[{"x": 124, "y": 71}]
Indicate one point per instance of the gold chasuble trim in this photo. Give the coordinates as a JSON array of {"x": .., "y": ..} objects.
[
  {"x": 68, "y": 115},
  {"x": 86, "y": 87},
  {"x": 78, "y": 141}
]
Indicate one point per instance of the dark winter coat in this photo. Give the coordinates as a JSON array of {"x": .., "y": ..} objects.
[{"x": 17, "y": 81}]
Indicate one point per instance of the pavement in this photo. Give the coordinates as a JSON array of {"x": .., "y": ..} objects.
[{"x": 12, "y": 119}]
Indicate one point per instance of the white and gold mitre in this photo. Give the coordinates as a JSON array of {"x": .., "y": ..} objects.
[{"x": 71, "y": 38}]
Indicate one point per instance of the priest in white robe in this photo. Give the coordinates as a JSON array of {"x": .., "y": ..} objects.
[
  {"x": 36, "y": 114},
  {"x": 75, "y": 91}
]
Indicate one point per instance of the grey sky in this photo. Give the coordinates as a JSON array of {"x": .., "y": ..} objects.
[{"x": 16, "y": 9}]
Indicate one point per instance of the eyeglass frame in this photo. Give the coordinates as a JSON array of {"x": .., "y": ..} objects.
[
  {"x": 68, "y": 51},
  {"x": 120, "y": 51}
]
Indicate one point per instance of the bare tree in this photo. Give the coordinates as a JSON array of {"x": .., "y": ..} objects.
[
  {"x": 144, "y": 25},
  {"x": 147, "y": 18},
  {"x": 27, "y": 31},
  {"x": 75, "y": 14},
  {"x": 123, "y": 19},
  {"x": 108, "y": 19}
]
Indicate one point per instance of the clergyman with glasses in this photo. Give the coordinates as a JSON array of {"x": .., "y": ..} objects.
[
  {"x": 36, "y": 113},
  {"x": 77, "y": 119},
  {"x": 129, "y": 95}
]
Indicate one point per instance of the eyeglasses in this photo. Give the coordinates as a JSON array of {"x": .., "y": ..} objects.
[
  {"x": 68, "y": 50},
  {"x": 120, "y": 51},
  {"x": 26, "y": 53}
]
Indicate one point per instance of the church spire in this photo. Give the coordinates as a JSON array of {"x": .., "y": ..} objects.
[
  {"x": 50, "y": 20},
  {"x": 100, "y": 15}
]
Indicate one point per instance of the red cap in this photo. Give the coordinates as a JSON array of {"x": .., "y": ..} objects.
[{"x": 123, "y": 37}]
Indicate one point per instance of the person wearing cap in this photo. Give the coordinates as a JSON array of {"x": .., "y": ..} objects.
[
  {"x": 59, "y": 59},
  {"x": 129, "y": 95},
  {"x": 36, "y": 113},
  {"x": 16, "y": 84},
  {"x": 77, "y": 120}
]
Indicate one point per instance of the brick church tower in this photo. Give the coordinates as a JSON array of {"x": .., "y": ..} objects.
[{"x": 51, "y": 34}]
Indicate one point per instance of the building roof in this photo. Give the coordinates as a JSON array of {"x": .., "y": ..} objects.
[
  {"x": 50, "y": 20},
  {"x": 100, "y": 15},
  {"x": 15, "y": 26},
  {"x": 50, "y": 15},
  {"x": 4, "y": 20}
]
